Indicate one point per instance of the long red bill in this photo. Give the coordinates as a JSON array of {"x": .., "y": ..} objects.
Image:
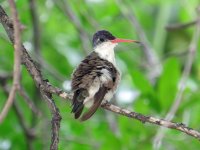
[{"x": 123, "y": 40}]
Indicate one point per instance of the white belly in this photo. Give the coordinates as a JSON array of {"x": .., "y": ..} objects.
[
  {"x": 93, "y": 89},
  {"x": 108, "y": 96},
  {"x": 97, "y": 83}
]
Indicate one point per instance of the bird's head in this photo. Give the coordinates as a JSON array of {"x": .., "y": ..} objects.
[{"x": 105, "y": 39}]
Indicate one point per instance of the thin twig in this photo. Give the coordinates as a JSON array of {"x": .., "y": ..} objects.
[
  {"x": 17, "y": 61},
  {"x": 36, "y": 29},
  {"x": 28, "y": 132},
  {"x": 29, "y": 102},
  {"x": 183, "y": 53},
  {"x": 179, "y": 26},
  {"x": 182, "y": 84}
]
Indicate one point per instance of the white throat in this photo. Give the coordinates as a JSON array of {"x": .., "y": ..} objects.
[{"x": 106, "y": 51}]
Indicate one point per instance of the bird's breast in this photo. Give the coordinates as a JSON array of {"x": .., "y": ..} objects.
[{"x": 106, "y": 51}]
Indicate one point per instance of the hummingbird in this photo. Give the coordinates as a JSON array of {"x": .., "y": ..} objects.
[{"x": 96, "y": 78}]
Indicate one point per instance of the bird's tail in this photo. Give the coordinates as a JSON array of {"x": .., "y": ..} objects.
[
  {"x": 77, "y": 102},
  {"x": 98, "y": 97}
]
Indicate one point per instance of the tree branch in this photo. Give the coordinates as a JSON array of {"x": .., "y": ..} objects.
[
  {"x": 47, "y": 89},
  {"x": 56, "y": 118},
  {"x": 160, "y": 122},
  {"x": 37, "y": 77},
  {"x": 17, "y": 61}
]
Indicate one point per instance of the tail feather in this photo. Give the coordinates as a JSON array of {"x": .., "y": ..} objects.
[
  {"x": 76, "y": 107},
  {"x": 77, "y": 114},
  {"x": 98, "y": 97},
  {"x": 77, "y": 102}
]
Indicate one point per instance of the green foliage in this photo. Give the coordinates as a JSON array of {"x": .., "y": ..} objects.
[
  {"x": 62, "y": 49},
  {"x": 168, "y": 82}
]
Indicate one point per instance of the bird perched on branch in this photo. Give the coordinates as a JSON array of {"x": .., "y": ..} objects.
[{"x": 97, "y": 76}]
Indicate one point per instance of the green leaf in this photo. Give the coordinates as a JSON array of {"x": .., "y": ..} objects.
[
  {"x": 168, "y": 83},
  {"x": 146, "y": 88}
]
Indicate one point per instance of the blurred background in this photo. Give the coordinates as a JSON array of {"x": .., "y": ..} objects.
[{"x": 165, "y": 69}]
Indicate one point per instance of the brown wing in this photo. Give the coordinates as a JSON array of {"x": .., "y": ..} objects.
[
  {"x": 84, "y": 73},
  {"x": 81, "y": 80}
]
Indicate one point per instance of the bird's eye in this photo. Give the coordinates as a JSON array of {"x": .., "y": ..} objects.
[{"x": 101, "y": 39}]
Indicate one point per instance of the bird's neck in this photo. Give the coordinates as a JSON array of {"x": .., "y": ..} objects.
[{"x": 106, "y": 51}]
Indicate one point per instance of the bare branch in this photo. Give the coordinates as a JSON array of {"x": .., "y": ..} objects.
[
  {"x": 26, "y": 59},
  {"x": 56, "y": 118},
  {"x": 17, "y": 61},
  {"x": 37, "y": 77},
  {"x": 160, "y": 122}
]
